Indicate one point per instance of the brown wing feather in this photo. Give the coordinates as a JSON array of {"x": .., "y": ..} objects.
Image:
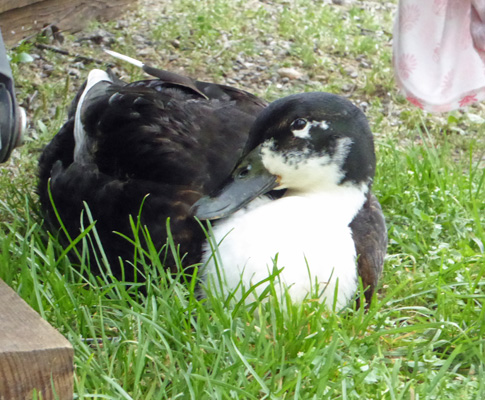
[{"x": 370, "y": 237}]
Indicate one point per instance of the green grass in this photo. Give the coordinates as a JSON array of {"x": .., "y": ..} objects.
[{"x": 423, "y": 337}]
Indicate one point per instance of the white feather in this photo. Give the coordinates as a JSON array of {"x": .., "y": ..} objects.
[
  {"x": 95, "y": 76},
  {"x": 125, "y": 58}
]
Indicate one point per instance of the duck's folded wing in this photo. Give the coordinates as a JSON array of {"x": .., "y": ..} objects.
[
  {"x": 146, "y": 141},
  {"x": 370, "y": 237},
  {"x": 111, "y": 202}
]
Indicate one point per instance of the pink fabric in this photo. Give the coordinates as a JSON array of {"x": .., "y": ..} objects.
[{"x": 438, "y": 52}]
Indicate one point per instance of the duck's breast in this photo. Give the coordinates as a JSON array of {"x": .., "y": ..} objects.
[{"x": 309, "y": 237}]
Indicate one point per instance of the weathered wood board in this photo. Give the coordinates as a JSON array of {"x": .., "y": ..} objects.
[
  {"x": 22, "y": 18},
  {"x": 33, "y": 355}
]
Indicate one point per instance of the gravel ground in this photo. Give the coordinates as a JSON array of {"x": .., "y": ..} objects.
[{"x": 253, "y": 73}]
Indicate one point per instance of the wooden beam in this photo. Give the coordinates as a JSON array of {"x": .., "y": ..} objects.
[
  {"x": 6, "y": 5},
  {"x": 27, "y": 17},
  {"x": 33, "y": 355}
]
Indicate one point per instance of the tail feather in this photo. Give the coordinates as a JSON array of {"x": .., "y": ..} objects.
[{"x": 122, "y": 57}]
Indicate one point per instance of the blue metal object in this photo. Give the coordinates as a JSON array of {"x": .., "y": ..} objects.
[{"x": 12, "y": 117}]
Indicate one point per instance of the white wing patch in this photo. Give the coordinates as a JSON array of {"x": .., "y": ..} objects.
[
  {"x": 94, "y": 77},
  {"x": 305, "y": 132}
]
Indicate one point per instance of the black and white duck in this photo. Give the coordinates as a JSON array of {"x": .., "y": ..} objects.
[{"x": 290, "y": 180}]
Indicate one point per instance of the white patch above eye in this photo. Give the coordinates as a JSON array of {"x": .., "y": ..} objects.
[
  {"x": 305, "y": 132},
  {"x": 322, "y": 124}
]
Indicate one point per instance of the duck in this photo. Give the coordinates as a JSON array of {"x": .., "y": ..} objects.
[
  {"x": 288, "y": 181},
  {"x": 325, "y": 231}
]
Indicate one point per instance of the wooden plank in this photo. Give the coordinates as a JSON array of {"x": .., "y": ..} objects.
[
  {"x": 33, "y": 355},
  {"x": 70, "y": 15},
  {"x": 6, "y": 5}
]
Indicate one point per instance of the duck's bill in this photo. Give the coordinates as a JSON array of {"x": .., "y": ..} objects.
[{"x": 249, "y": 180}]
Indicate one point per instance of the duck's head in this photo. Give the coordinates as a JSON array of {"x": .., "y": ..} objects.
[{"x": 309, "y": 142}]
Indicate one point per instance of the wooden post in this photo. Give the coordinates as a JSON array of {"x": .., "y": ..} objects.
[
  {"x": 22, "y": 18},
  {"x": 33, "y": 355}
]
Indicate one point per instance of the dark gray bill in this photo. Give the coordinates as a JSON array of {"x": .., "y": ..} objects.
[{"x": 249, "y": 180}]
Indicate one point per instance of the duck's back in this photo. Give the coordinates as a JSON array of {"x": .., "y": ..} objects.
[{"x": 151, "y": 142}]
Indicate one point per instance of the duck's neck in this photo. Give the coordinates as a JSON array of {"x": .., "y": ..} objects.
[{"x": 345, "y": 200}]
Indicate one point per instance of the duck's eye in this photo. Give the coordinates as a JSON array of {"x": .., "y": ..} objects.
[
  {"x": 244, "y": 171},
  {"x": 299, "y": 124}
]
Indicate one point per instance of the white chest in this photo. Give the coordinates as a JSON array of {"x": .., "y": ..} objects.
[{"x": 310, "y": 237}]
